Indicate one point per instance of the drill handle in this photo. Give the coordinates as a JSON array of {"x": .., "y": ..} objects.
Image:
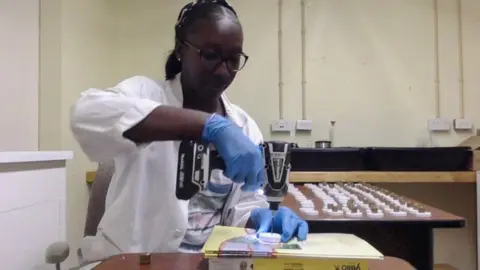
[{"x": 195, "y": 165}]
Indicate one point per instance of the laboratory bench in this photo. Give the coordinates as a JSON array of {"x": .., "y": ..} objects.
[
  {"x": 395, "y": 225},
  {"x": 408, "y": 238}
]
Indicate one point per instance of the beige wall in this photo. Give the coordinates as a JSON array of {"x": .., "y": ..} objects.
[
  {"x": 370, "y": 67},
  {"x": 19, "y": 32}
]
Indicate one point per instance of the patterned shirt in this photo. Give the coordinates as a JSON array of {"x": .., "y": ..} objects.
[{"x": 205, "y": 212}]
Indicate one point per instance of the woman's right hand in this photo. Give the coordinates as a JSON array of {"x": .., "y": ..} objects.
[{"x": 243, "y": 159}]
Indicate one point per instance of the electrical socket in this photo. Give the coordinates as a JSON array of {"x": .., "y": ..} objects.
[
  {"x": 304, "y": 125},
  {"x": 439, "y": 124},
  {"x": 462, "y": 124},
  {"x": 282, "y": 126}
]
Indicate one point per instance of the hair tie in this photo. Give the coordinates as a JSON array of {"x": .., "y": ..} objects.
[{"x": 188, "y": 7}]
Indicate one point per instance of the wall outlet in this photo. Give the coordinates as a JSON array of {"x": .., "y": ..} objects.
[
  {"x": 304, "y": 125},
  {"x": 462, "y": 124},
  {"x": 439, "y": 124},
  {"x": 282, "y": 126}
]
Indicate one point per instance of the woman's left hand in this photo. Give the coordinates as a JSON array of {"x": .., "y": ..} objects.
[{"x": 285, "y": 222}]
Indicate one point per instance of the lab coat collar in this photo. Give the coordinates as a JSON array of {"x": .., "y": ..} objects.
[{"x": 230, "y": 109}]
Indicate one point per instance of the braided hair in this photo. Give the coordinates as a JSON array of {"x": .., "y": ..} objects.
[{"x": 191, "y": 13}]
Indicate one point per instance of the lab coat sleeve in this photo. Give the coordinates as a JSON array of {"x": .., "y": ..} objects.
[
  {"x": 247, "y": 201},
  {"x": 100, "y": 117},
  {"x": 240, "y": 213}
]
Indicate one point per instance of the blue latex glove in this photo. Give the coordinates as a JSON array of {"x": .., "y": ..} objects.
[
  {"x": 243, "y": 159},
  {"x": 285, "y": 223}
]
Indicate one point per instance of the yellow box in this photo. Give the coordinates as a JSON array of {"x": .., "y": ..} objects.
[{"x": 286, "y": 264}]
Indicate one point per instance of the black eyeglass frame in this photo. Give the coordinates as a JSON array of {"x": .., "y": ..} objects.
[{"x": 225, "y": 60}]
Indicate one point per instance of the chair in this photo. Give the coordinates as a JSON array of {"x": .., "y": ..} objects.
[{"x": 58, "y": 252}]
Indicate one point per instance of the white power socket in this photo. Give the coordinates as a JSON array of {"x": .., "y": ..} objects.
[
  {"x": 439, "y": 124},
  {"x": 462, "y": 124},
  {"x": 304, "y": 125},
  {"x": 282, "y": 126}
]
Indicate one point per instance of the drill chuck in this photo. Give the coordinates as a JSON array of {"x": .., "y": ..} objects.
[{"x": 274, "y": 205}]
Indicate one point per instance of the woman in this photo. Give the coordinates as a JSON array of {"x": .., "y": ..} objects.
[{"x": 139, "y": 123}]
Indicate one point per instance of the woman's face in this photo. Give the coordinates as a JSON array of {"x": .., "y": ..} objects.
[{"x": 208, "y": 56}]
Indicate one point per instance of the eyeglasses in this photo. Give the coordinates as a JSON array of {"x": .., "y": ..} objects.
[{"x": 213, "y": 59}]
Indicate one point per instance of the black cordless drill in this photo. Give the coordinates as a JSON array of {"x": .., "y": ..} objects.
[{"x": 196, "y": 162}]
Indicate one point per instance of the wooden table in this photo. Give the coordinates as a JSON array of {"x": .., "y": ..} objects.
[
  {"x": 438, "y": 219},
  {"x": 369, "y": 177},
  {"x": 195, "y": 261},
  {"x": 409, "y": 238}
]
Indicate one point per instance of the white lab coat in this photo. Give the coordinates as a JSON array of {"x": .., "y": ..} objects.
[{"x": 142, "y": 213}]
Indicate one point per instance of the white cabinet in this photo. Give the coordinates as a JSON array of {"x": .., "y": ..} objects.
[{"x": 32, "y": 206}]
